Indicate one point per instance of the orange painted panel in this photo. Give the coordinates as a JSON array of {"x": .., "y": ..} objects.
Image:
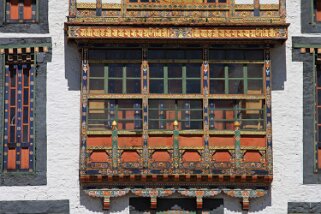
[
  {"x": 14, "y": 10},
  {"x": 24, "y": 159},
  {"x": 99, "y": 141},
  {"x": 222, "y": 156},
  {"x": 11, "y": 159},
  {"x": 222, "y": 141},
  {"x": 253, "y": 141},
  {"x": 319, "y": 158},
  {"x": 130, "y": 141},
  {"x": 229, "y": 116},
  {"x": 318, "y": 11},
  {"x": 160, "y": 141},
  {"x": 252, "y": 156},
  {"x": 191, "y": 156},
  {"x": 130, "y": 156},
  {"x": 126, "y": 125},
  {"x": 126, "y": 115},
  {"x": 161, "y": 156},
  {"x": 27, "y": 10},
  {"x": 187, "y": 141},
  {"x": 99, "y": 156}
]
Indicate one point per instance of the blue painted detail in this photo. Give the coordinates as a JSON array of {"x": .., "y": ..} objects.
[{"x": 92, "y": 172}]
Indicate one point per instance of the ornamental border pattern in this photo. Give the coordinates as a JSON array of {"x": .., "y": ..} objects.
[
  {"x": 309, "y": 145},
  {"x": 38, "y": 176}
]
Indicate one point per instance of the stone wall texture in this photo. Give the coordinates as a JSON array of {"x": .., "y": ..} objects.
[{"x": 63, "y": 112}]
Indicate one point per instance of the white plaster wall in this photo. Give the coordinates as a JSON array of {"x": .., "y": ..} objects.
[{"x": 63, "y": 128}]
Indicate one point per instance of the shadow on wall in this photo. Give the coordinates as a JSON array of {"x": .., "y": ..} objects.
[
  {"x": 256, "y": 204},
  {"x": 72, "y": 65},
  {"x": 278, "y": 60},
  {"x": 95, "y": 204}
]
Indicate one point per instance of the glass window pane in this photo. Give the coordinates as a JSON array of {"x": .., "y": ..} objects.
[
  {"x": 319, "y": 117},
  {"x": 96, "y": 86},
  {"x": 217, "y": 71},
  {"x": 255, "y": 70},
  {"x": 174, "y": 86},
  {"x": 96, "y": 70},
  {"x": 156, "y": 71},
  {"x": 156, "y": 86},
  {"x": 254, "y": 54},
  {"x": 217, "y": 86},
  {"x": 115, "y": 86},
  {"x": 133, "y": 86},
  {"x": 193, "y": 70},
  {"x": 193, "y": 86},
  {"x": 115, "y": 70},
  {"x": 235, "y": 71},
  {"x": 175, "y": 71},
  {"x": 236, "y": 87},
  {"x": 319, "y": 97},
  {"x": 255, "y": 87},
  {"x": 133, "y": 70},
  {"x": 319, "y": 74}
]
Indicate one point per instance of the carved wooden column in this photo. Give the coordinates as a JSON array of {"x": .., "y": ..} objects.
[
  {"x": 205, "y": 75},
  {"x": 99, "y": 7},
  {"x": 237, "y": 138},
  {"x": 72, "y": 8},
  {"x": 268, "y": 125},
  {"x": 114, "y": 145},
  {"x": 84, "y": 97},
  {"x": 282, "y": 8},
  {"x": 145, "y": 90},
  {"x": 256, "y": 7},
  {"x": 176, "y": 153}
]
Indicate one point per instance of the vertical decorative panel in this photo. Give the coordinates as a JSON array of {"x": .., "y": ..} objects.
[
  {"x": 256, "y": 7},
  {"x": 98, "y": 7},
  {"x": 84, "y": 96},
  {"x": 72, "y": 8},
  {"x": 267, "y": 68},
  {"x": 145, "y": 90},
  {"x": 6, "y": 118}
]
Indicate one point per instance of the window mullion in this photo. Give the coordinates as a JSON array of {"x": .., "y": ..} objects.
[
  {"x": 165, "y": 69},
  {"x": 124, "y": 80},
  {"x": 245, "y": 76},
  {"x": 184, "y": 79},
  {"x": 226, "y": 79},
  {"x": 106, "y": 74}
]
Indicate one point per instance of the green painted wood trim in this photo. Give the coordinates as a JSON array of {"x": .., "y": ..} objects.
[
  {"x": 115, "y": 148},
  {"x": 106, "y": 74},
  {"x": 226, "y": 79},
  {"x": 165, "y": 69},
  {"x": 245, "y": 76},
  {"x": 184, "y": 79},
  {"x": 124, "y": 89}
]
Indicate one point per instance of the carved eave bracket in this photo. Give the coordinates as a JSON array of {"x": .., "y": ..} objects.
[{"x": 153, "y": 193}]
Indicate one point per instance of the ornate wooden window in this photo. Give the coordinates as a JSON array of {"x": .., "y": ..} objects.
[
  {"x": 22, "y": 11},
  {"x": 19, "y": 115},
  {"x": 179, "y": 1}
]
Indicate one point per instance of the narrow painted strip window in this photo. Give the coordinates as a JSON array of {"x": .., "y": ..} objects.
[
  {"x": 18, "y": 139},
  {"x": 317, "y": 4}
]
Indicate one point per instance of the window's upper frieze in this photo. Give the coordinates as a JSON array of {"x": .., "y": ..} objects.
[{"x": 178, "y": 11}]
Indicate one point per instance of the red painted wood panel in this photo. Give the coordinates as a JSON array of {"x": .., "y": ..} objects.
[
  {"x": 27, "y": 10},
  {"x": 253, "y": 141},
  {"x": 14, "y": 10},
  {"x": 188, "y": 141},
  {"x": 160, "y": 141},
  {"x": 222, "y": 141},
  {"x": 24, "y": 159},
  {"x": 11, "y": 159},
  {"x": 99, "y": 141},
  {"x": 318, "y": 11},
  {"x": 130, "y": 141}
]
